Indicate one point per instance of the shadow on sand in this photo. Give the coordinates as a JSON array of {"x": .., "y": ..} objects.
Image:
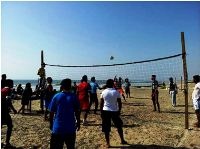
[
  {"x": 13, "y": 147},
  {"x": 139, "y": 146},
  {"x": 183, "y": 105},
  {"x": 32, "y": 113},
  {"x": 176, "y": 112},
  {"x": 134, "y": 104},
  {"x": 99, "y": 124},
  {"x": 141, "y": 97}
]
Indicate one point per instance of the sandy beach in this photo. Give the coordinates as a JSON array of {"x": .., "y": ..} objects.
[{"x": 143, "y": 128}]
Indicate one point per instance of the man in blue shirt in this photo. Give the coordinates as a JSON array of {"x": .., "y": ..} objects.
[
  {"x": 64, "y": 117},
  {"x": 93, "y": 94}
]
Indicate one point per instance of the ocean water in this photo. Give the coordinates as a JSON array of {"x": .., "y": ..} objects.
[
  {"x": 34, "y": 83},
  {"x": 56, "y": 83}
]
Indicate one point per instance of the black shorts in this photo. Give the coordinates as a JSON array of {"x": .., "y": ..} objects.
[
  {"x": 58, "y": 140},
  {"x": 93, "y": 97},
  {"x": 127, "y": 90},
  {"x": 107, "y": 116}
]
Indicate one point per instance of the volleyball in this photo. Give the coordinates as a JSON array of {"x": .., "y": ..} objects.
[{"x": 111, "y": 58}]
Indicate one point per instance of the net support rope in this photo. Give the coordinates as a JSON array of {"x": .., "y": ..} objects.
[{"x": 129, "y": 63}]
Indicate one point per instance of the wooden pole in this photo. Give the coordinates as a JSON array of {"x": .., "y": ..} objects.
[
  {"x": 185, "y": 79},
  {"x": 42, "y": 81},
  {"x": 42, "y": 59},
  {"x": 181, "y": 83}
]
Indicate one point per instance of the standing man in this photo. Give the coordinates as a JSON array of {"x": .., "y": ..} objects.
[
  {"x": 93, "y": 95},
  {"x": 64, "y": 117},
  {"x": 154, "y": 95},
  {"x": 196, "y": 98},
  {"x": 83, "y": 91},
  {"x": 48, "y": 94},
  {"x": 6, "y": 105},
  {"x": 172, "y": 91},
  {"x": 127, "y": 85},
  {"x": 110, "y": 110}
]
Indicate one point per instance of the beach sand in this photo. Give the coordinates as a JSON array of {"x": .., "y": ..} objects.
[{"x": 143, "y": 128}]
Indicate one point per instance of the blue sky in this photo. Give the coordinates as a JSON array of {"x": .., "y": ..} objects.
[{"x": 87, "y": 33}]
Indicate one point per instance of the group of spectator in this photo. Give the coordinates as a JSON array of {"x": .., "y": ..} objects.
[{"x": 70, "y": 107}]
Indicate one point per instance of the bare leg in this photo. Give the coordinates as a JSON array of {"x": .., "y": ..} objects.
[
  {"x": 96, "y": 106},
  {"x": 123, "y": 97},
  {"x": 154, "y": 104},
  {"x": 107, "y": 136},
  {"x": 158, "y": 105},
  {"x": 85, "y": 114},
  {"x": 198, "y": 117},
  {"x": 120, "y": 131}
]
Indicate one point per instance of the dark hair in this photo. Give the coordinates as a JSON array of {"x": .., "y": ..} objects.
[
  {"x": 84, "y": 78},
  {"x": 28, "y": 84},
  {"x": 93, "y": 79},
  {"x": 196, "y": 78},
  {"x": 49, "y": 80},
  {"x": 154, "y": 76},
  {"x": 170, "y": 79},
  {"x": 66, "y": 84},
  {"x": 109, "y": 83},
  {"x": 9, "y": 83}
]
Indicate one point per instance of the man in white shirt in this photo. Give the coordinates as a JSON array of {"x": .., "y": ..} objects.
[
  {"x": 110, "y": 110},
  {"x": 196, "y": 98}
]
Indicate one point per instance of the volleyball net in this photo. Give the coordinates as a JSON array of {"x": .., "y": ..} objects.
[{"x": 138, "y": 72}]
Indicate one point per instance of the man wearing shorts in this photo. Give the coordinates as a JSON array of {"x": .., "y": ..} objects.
[
  {"x": 110, "y": 110},
  {"x": 64, "y": 117}
]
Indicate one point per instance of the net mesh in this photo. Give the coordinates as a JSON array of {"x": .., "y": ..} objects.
[{"x": 136, "y": 72}]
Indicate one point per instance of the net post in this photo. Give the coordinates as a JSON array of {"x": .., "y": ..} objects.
[
  {"x": 181, "y": 83},
  {"x": 42, "y": 80},
  {"x": 185, "y": 80}
]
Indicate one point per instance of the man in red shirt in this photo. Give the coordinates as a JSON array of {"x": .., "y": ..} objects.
[{"x": 83, "y": 90}]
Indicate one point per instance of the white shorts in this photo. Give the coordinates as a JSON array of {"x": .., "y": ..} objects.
[{"x": 196, "y": 104}]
